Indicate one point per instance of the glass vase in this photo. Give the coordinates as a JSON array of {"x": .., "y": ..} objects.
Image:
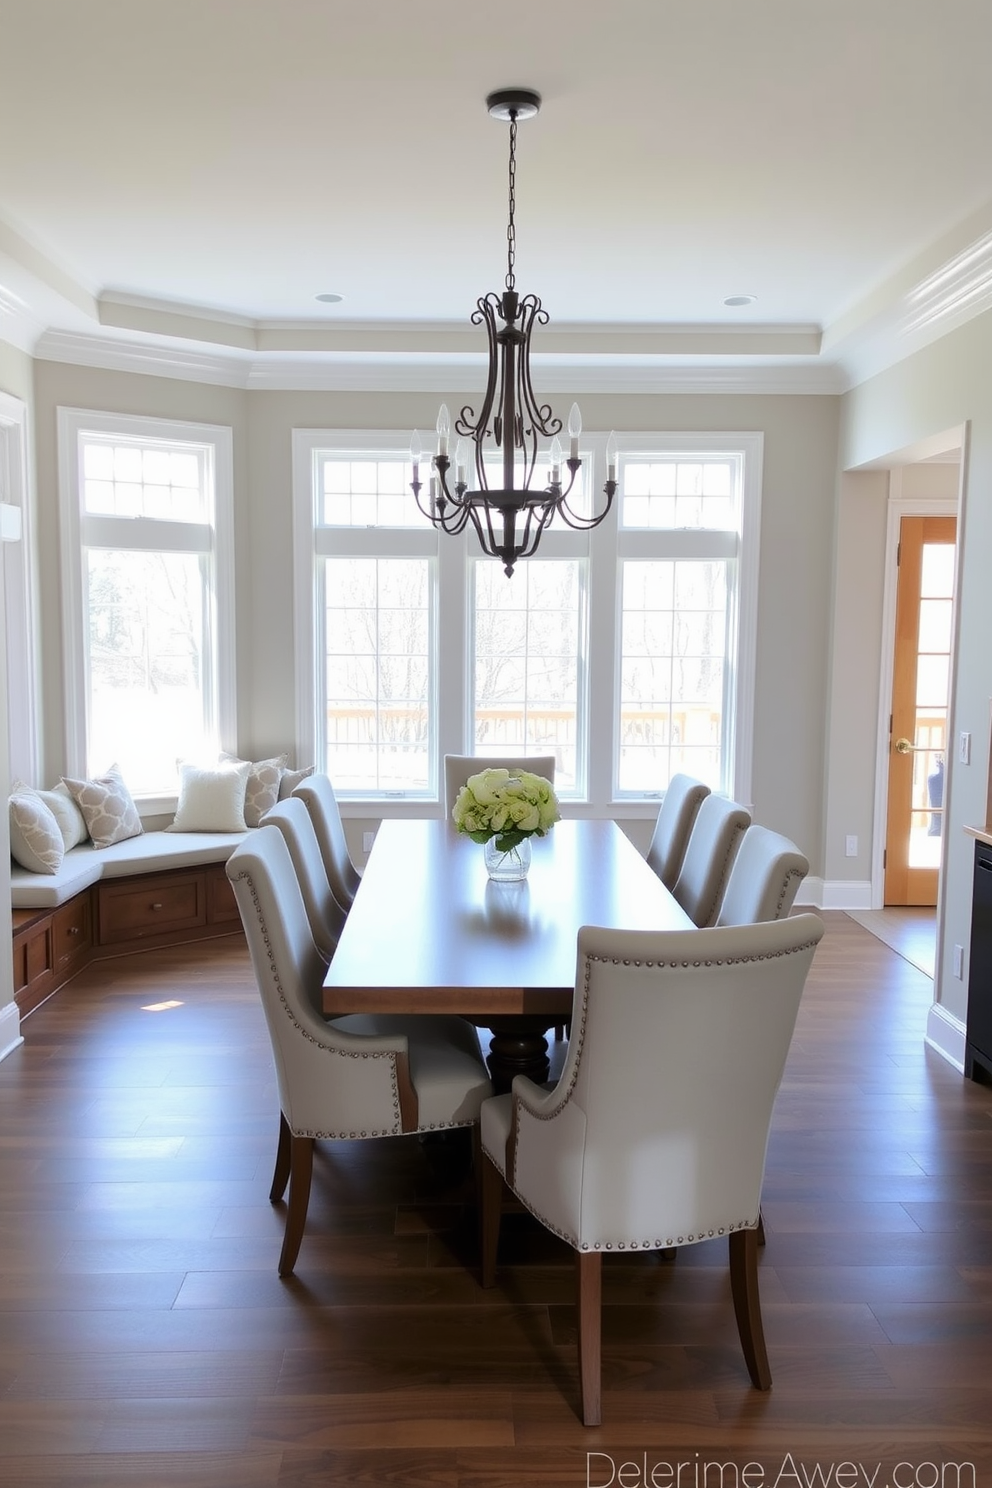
[{"x": 507, "y": 867}]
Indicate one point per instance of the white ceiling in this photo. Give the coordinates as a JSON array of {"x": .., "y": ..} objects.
[{"x": 180, "y": 178}]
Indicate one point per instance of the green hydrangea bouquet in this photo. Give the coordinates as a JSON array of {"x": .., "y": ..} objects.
[{"x": 506, "y": 805}]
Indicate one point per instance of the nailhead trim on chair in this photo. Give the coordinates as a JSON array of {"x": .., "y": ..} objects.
[
  {"x": 397, "y": 1128},
  {"x": 711, "y": 913},
  {"x": 577, "y": 1039},
  {"x": 783, "y": 894}
]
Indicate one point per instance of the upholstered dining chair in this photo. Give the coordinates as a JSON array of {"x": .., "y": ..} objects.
[
  {"x": 713, "y": 843},
  {"x": 764, "y": 879},
  {"x": 670, "y": 839},
  {"x": 458, "y": 768},
  {"x": 361, "y": 1076},
  {"x": 324, "y": 913},
  {"x": 317, "y": 794},
  {"x": 656, "y": 1132}
]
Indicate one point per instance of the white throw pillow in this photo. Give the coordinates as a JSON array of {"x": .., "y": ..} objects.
[
  {"x": 72, "y": 823},
  {"x": 262, "y": 790},
  {"x": 291, "y": 779},
  {"x": 35, "y": 838},
  {"x": 211, "y": 798},
  {"x": 108, "y": 810}
]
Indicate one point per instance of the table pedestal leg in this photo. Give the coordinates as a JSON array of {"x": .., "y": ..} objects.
[{"x": 518, "y": 1048}]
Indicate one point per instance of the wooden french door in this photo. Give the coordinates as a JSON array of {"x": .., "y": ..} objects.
[{"x": 918, "y": 721}]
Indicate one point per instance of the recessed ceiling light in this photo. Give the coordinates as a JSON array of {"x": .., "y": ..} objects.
[
  {"x": 330, "y": 299},
  {"x": 734, "y": 300}
]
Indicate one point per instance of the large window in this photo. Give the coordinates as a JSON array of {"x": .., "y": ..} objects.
[
  {"x": 149, "y": 612},
  {"x": 627, "y": 652},
  {"x": 680, "y": 698}
]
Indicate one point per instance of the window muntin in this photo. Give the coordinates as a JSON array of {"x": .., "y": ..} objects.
[
  {"x": 679, "y": 493},
  {"x": 711, "y": 479},
  {"x": 377, "y": 674},
  {"x": 673, "y": 651},
  {"x": 368, "y": 493},
  {"x": 527, "y": 661},
  {"x": 153, "y": 480},
  {"x": 680, "y": 541},
  {"x": 147, "y": 525}
]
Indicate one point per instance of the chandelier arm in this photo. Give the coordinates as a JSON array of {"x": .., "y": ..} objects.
[
  {"x": 466, "y": 423},
  {"x": 540, "y": 415},
  {"x": 585, "y": 524}
]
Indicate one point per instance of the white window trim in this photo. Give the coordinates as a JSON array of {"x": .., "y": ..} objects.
[
  {"x": 313, "y": 541},
  {"x": 71, "y": 423},
  {"x": 20, "y": 589},
  {"x": 602, "y": 546},
  {"x": 742, "y": 640}
]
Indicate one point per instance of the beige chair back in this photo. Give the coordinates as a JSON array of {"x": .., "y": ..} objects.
[
  {"x": 458, "y": 768},
  {"x": 682, "y": 801},
  {"x": 655, "y": 1134},
  {"x": 713, "y": 843},
  {"x": 317, "y": 794},
  {"x": 324, "y": 913},
  {"x": 764, "y": 879}
]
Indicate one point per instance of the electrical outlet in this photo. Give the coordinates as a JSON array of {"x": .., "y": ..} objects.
[
  {"x": 367, "y": 840},
  {"x": 851, "y": 846},
  {"x": 964, "y": 749},
  {"x": 959, "y": 962}
]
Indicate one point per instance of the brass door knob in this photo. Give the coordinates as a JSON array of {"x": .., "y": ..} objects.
[{"x": 903, "y": 746}]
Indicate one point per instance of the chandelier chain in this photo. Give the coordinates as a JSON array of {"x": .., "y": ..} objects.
[{"x": 511, "y": 229}]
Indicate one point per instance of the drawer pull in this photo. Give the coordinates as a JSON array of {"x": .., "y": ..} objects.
[
  {"x": 73, "y": 929},
  {"x": 155, "y": 906}
]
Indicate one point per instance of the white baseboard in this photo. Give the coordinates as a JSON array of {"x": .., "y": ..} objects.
[
  {"x": 10, "y": 1029},
  {"x": 946, "y": 1034},
  {"x": 845, "y": 893},
  {"x": 810, "y": 894}
]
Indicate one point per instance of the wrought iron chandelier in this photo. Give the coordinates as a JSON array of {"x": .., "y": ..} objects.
[{"x": 508, "y": 521}]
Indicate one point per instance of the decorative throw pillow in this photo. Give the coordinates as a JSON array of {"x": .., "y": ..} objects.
[
  {"x": 291, "y": 779},
  {"x": 108, "y": 810},
  {"x": 211, "y": 798},
  {"x": 64, "y": 809},
  {"x": 262, "y": 790},
  {"x": 35, "y": 839}
]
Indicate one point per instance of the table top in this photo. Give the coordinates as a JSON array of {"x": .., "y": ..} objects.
[{"x": 430, "y": 932}]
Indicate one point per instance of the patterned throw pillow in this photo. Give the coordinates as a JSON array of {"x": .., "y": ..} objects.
[
  {"x": 211, "y": 798},
  {"x": 35, "y": 839},
  {"x": 262, "y": 790},
  {"x": 64, "y": 809},
  {"x": 108, "y": 810},
  {"x": 291, "y": 779}
]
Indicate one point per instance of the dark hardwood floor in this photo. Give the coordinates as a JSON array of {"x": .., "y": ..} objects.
[{"x": 146, "y": 1339}]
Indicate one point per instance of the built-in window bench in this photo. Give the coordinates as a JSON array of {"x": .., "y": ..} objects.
[{"x": 157, "y": 889}]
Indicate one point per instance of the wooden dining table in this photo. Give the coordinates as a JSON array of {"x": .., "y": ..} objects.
[{"x": 429, "y": 932}]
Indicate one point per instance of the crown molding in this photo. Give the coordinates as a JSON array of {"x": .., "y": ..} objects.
[
  {"x": 384, "y": 373},
  {"x": 83, "y": 350}
]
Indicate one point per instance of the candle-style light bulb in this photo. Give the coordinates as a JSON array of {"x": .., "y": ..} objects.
[
  {"x": 574, "y": 430},
  {"x": 462, "y": 456},
  {"x": 554, "y": 460},
  {"x": 416, "y": 452},
  {"x": 611, "y": 457},
  {"x": 443, "y": 429}
]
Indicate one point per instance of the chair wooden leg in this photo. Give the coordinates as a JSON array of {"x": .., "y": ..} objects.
[
  {"x": 283, "y": 1162},
  {"x": 589, "y": 1276},
  {"x": 747, "y": 1305},
  {"x": 760, "y": 1231},
  {"x": 301, "y": 1170},
  {"x": 490, "y": 1211}
]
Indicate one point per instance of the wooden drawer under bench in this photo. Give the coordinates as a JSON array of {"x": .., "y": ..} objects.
[{"x": 114, "y": 916}]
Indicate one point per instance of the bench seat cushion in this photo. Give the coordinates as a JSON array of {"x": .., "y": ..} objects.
[{"x": 152, "y": 852}]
